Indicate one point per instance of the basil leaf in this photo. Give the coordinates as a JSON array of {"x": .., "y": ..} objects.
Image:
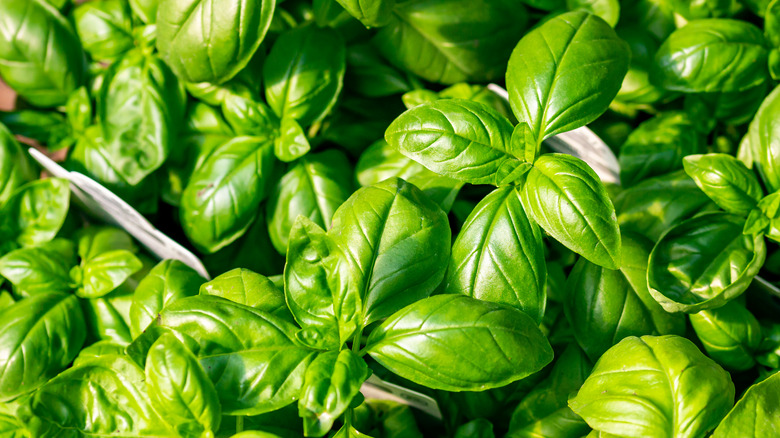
[
  {"x": 65, "y": 404},
  {"x": 656, "y": 204},
  {"x": 762, "y": 140},
  {"x": 179, "y": 389},
  {"x": 551, "y": 394},
  {"x": 223, "y": 194},
  {"x": 563, "y": 74},
  {"x": 563, "y": 423},
  {"x": 235, "y": 30},
  {"x": 458, "y": 343},
  {"x": 15, "y": 167},
  {"x": 484, "y": 262},
  {"x": 398, "y": 243},
  {"x": 479, "y": 428},
  {"x": 730, "y": 335},
  {"x": 249, "y": 117},
  {"x": 40, "y": 336},
  {"x": 419, "y": 38},
  {"x": 105, "y": 28},
  {"x": 657, "y": 147},
  {"x": 314, "y": 187},
  {"x": 725, "y": 180},
  {"x": 660, "y": 386},
  {"x": 140, "y": 107},
  {"x": 35, "y": 212},
  {"x": 605, "y": 306},
  {"x": 381, "y": 161},
  {"x": 459, "y": 139},
  {"x": 372, "y": 13},
  {"x": 92, "y": 157},
  {"x": 146, "y": 10},
  {"x": 703, "y": 263},
  {"x": 106, "y": 272},
  {"x": 716, "y": 54},
  {"x": 291, "y": 143},
  {"x": 765, "y": 218},
  {"x": 565, "y": 197},
  {"x": 320, "y": 287},
  {"x": 755, "y": 413},
  {"x": 607, "y": 10},
  {"x": 40, "y": 55},
  {"x": 167, "y": 282},
  {"x": 368, "y": 74},
  {"x": 332, "y": 380},
  {"x": 636, "y": 87},
  {"x": 304, "y": 73},
  {"x": 39, "y": 270},
  {"x": 243, "y": 286},
  {"x": 251, "y": 356},
  {"x": 108, "y": 317}
]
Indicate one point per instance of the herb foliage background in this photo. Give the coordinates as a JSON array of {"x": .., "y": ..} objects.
[{"x": 368, "y": 206}]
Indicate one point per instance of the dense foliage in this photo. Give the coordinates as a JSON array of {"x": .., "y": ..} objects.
[{"x": 370, "y": 208}]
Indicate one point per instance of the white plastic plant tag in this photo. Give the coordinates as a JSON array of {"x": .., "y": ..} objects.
[
  {"x": 378, "y": 389},
  {"x": 583, "y": 144},
  {"x": 102, "y": 203}
]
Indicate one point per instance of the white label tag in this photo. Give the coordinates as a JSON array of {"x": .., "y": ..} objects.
[
  {"x": 104, "y": 204},
  {"x": 376, "y": 388}
]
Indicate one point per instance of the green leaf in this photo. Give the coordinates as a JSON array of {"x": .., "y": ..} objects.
[
  {"x": 40, "y": 55},
  {"x": 179, "y": 389},
  {"x": 332, "y": 380},
  {"x": 660, "y": 386},
  {"x": 703, "y": 263},
  {"x": 564, "y": 74},
  {"x": 566, "y": 198},
  {"x": 108, "y": 317},
  {"x": 320, "y": 287},
  {"x": 105, "y": 28},
  {"x": 314, "y": 187},
  {"x": 604, "y": 306},
  {"x": 39, "y": 270},
  {"x": 459, "y": 139},
  {"x": 419, "y": 38},
  {"x": 726, "y": 181},
  {"x": 484, "y": 263},
  {"x": 35, "y": 212},
  {"x": 40, "y": 336},
  {"x": 167, "y": 282},
  {"x": 235, "y": 30},
  {"x": 479, "y": 428},
  {"x": 146, "y": 10},
  {"x": 15, "y": 167},
  {"x": 709, "y": 55},
  {"x": 551, "y": 394},
  {"x": 763, "y": 140},
  {"x": 291, "y": 143},
  {"x": 141, "y": 106},
  {"x": 458, "y": 343},
  {"x": 755, "y": 414},
  {"x": 96, "y": 240},
  {"x": 106, "y": 272},
  {"x": 243, "y": 286},
  {"x": 730, "y": 334},
  {"x": 381, "y": 161},
  {"x": 249, "y": 117},
  {"x": 765, "y": 218},
  {"x": 370, "y": 75},
  {"x": 304, "y": 73},
  {"x": 608, "y": 10},
  {"x": 223, "y": 194},
  {"x": 251, "y": 356},
  {"x": 398, "y": 243},
  {"x": 99, "y": 349},
  {"x": 657, "y": 147},
  {"x": 656, "y": 204},
  {"x": 372, "y": 13},
  {"x": 102, "y": 397}
]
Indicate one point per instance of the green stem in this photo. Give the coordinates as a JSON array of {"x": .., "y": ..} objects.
[
  {"x": 239, "y": 424},
  {"x": 356, "y": 340}
]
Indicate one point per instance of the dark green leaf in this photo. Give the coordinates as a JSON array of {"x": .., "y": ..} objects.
[
  {"x": 726, "y": 181},
  {"x": 703, "y": 263}
]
